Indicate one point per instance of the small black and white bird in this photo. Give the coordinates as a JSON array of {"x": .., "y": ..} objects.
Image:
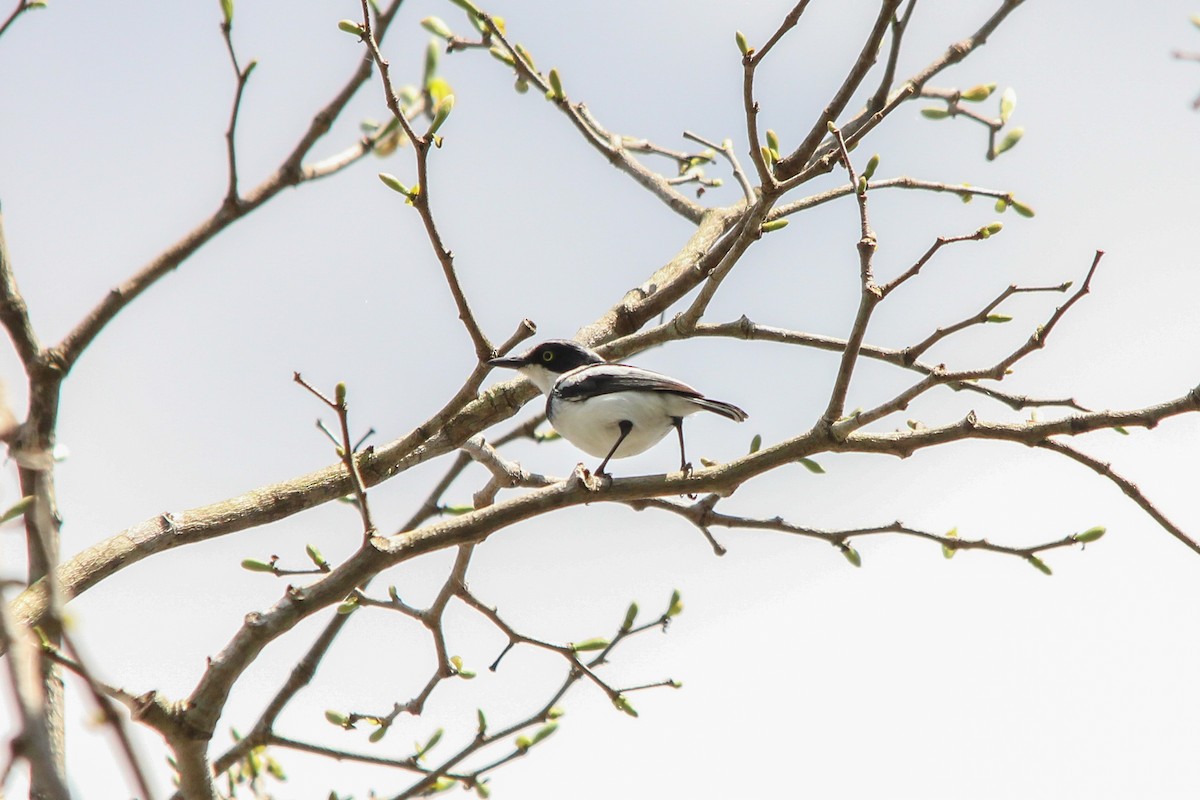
[{"x": 607, "y": 409}]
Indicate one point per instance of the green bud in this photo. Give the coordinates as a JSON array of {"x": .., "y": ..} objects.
[
  {"x": 226, "y": 11},
  {"x": 457, "y": 511},
  {"x": 773, "y": 140},
  {"x": 392, "y": 593},
  {"x": 1009, "y": 141},
  {"x": 675, "y": 607},
  {"x": 630, "y": 617},
  {"x": 717, "y": 182},
  {"x": 934, "y": 113},
  {"x": 524, "y": 54},
  {"x": 556, "y": 85},
  {"x": 442, "y": 784},
  {"x": 1001, "y": 205},
  {"x": 481, "y": 727},
  {"x": 467, "y": 6},
  {"x": 502, "y": 56},
  {"x": 1008, "y": 101},
  {"x": 523, "y": 743},
  {"x": 998, "y": 318},
  {"x": 991, "y": 230},
  {"x": 393, "y": 183},
  {"x": 1022, "y": 209},
  {"x": 437, "y": 27},
  {"x": 521, "y": 85},
  {"x": 378, "y": 734},
  {"x": 1091, "y": 534},
  {"x": 596, "y": 643},
  {"x": 977, "y": 94},
  {"x": 339, "y": 393},
  {"x": 37, "y": 4},
  {"x": 811, "y": 466},
  {"x": 555, "y": 712},
  {"x": 774, "y": 225},
  {"x": 544, "y": 731},
  {"x": 862, "y": 184},
  {"x": 623, "y": 704},
  {"x": 441, "y": 112},
  {"x": 352, "y": 27},
  {"x": 851, "y": 555},
  {"x": 742, "y": 44},
  {"x": 275, "y": 769},
  {"x": 433, "y": 54},
  {"x": 768, "y": 155},
  {"x": 1121, "y": 430},
  {"x": 254, "y": 565},
  {"x": 18, "y": 508},
  {"x": 947, "y": 550},
  {"x": 872, "y": 165},
  {"x": 315, "y": 556},
  {"x": 1039, "y": 564},
  {"x": 756, "y": 443},
  {"x": 338, "y": 718},
  {"x": 349, "y": 605},
  {"x": 482, "y": 790}
]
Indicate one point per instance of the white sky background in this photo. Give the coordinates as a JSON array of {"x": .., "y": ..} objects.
[{"x": 911, "y": 677}]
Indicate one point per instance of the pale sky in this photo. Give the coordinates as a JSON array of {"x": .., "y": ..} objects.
[{"x": 912, "y": 677}]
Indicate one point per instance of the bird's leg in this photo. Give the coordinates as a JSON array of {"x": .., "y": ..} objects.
[
  {"x": 683, "y": 462},
  {"x": 626, "y": 426}
]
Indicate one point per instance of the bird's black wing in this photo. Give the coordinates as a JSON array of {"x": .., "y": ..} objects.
[{"x": 597, "y": 379}]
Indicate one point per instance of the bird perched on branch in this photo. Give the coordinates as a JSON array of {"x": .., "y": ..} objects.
[{"x": 606, "y": 409}]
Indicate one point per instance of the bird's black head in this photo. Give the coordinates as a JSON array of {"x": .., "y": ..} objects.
[
  {"x": 543, "y": 363},
  {"x": 553, "y": 355}
]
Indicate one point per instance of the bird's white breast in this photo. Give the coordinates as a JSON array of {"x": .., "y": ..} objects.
[{"x": 593, "y": 424}]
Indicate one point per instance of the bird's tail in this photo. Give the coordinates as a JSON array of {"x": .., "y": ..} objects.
[{"x": 727, "y": 410}]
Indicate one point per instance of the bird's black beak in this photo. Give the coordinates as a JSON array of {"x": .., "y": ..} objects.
[{"x": 509, "y": 362}]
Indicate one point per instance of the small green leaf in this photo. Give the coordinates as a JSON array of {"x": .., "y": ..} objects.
[
  {"x": 352, "y": 27},
  {"x": 1091, "y": 534},
  {"x": 630, "y": 617},
  {"x": 525, "y": 56},
  {"x": 977, "y": 94},
  {"x": 1121, "y": 430},
  {"x": 1008, "y": 101},
  {"x": 441, "y": 112},
  {"x": 433, "y": 54},
  {"x": 1039, "y": 564},
  {"x": 227, "y": 11},
  {"x": 774, "y": 225},
  {"x": 502, "y": 56},
  {"x": 20, "y": 507},
  {"x": 934, "y": 113},
  {"x": 1022, "y": 209},
  {"x": 457, "y": 511},
  {"x": 998, "y": 318},
  {"x": 622, "y": 704},
  {"x": 675, "y": 607},
  {"x": 811, "y": 466},
  {"x": 851, "y": 554},
  {"x": 872, "y": 165},
  {"x": 254, "y": 565},
  {"x": 467, "y": 6},
  {"x": 378, "y": 734},
  {"x": 1010, "y": 141},
  {"x": 429, "y": 745},
  {"x": 315, "y": 556},
  {"x": 393, "y": 183},
  {"x": 442, "y": 784},
  {"x": 596, "y": 643},
  {"x": 742, "y": 44},
  {"x": 338, "y": 718},
  {"x": 756, "y": 443},
  {"x": 437, "y": 27},
  {"x": 543, "y": 732}
]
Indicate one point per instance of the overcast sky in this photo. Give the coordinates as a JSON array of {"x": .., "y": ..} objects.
[{"x": 912, "y": 677}]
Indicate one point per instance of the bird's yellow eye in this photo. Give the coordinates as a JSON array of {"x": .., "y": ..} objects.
[{"x": 548, "y": 356}]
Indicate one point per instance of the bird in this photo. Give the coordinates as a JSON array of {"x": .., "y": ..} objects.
[{"x": 610, "y": 409}]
